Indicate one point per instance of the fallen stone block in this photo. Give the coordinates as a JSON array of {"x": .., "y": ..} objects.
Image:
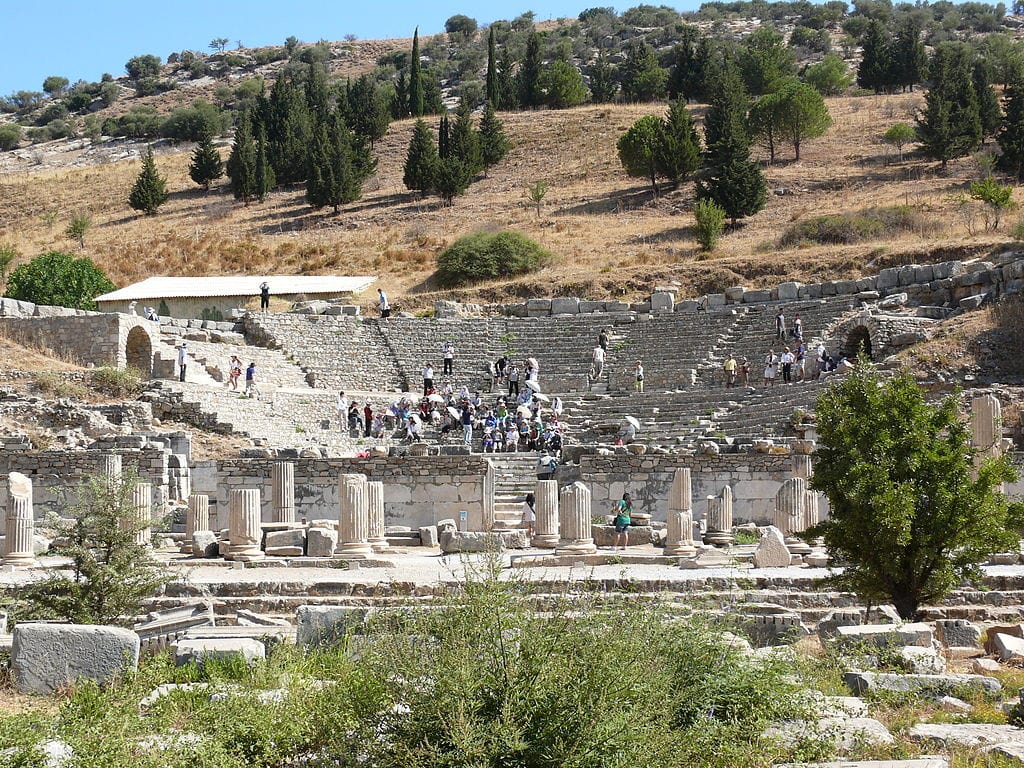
[
  {"x": 295, "y": 537},
  {"x": 321, "y": 542},
  {"x": 1014, "y": 630},
  {"x": 201, "y": 650},
  {"x": 327, "y": 624},
  {"x": 958, "y": 633},
  {"x": 885, "y": 635},
  {"x": 285, "y": 552},
  {"x": 771, "y": 551},
  {"x": 939, "y": 685},
  {"x": 429, "y": 536},
  {"x": 969, "y": 735},
  {"x": 829, "y": 625},
  {"x": 985, "y": 666},
  {"x": 45, "y": 657},
  {"x": 482, "y": 541},
  {"x": 845, "y": 733},
  {"x": 922, "y": 661},
  {"x": 1007, "y": 647},
  {"x": 204, "y": 544}
]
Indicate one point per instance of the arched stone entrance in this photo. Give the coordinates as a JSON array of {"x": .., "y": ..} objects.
[
  {"x": 858, "y": 342},
  {"x": 138, "y": 351}
]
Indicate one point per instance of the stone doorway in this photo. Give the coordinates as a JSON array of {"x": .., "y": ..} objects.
[
  {"x": 858, "y": 342},
  {"x": 138, "y": 351}
]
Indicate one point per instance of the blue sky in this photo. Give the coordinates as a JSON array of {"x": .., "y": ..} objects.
[{"x": 82, "y": 40}]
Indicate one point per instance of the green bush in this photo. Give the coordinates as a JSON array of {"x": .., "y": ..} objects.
[
  {"x": 58, "y": 279},
  {"x": 487, "y": 255},
  {"x": 710, "y": 222},
  {"x": 10, "y": 136},
  {"x": 117, "y": 382},
  {"x": 846, "y": 228},
  {"x": 52, "y": 383}
]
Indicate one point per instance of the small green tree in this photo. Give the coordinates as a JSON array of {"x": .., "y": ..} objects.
[
  {"x": 489, "y": 255},
  {"x": 710, "y": 223},
  {"x": 465, "y": 142},
  {"x": 537, "y": 192},
  {"x": 528, "y": 85},
  {"x": 77, "y": 228},
  {"x": 899, "y": 135},
  {"x": 54, "y": 86},
  {"x": 10, "y": 136},
  {"x": 950, "y": 125},
  {"x": 451, "y": 178},
  {"x": 563, "y": 85},
  {"x": 677, "y": 154},
  {"x": 416, "y": 101},
  {"x": 218, "y": 44},
  {"x": 804, "y": 114},
  {"x": 206, "y": 165},
  {"x": 642, "y": 78},
  {"x": 910, "y": 516},
  {"x": 141, "y": 67},
  {"x": 494, "y": 144},
  {"x": 150, "y": 189},
  {"x": 58, "y": 279},
  {"x": 830, "y": 76},
  {"x": 638, "y": 149},
  {"x": 110, "y": 574},
  {"x": 421, "y": 159},
  {"x": 997, "y": 199},
  {"x": 765, "y": 59}
]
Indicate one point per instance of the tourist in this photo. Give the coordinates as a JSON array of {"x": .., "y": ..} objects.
[
  {"x": 234, "y": 372},
  {"x": 770, "y": 363},
  {"x": 378, "y": 425},
  {"x": 788, "y": 358},
  {"x": 428, "y": 379},
  {"x": 627, "y": 433},
  {"x": 623, "y": 511},
  {"x": 557, "y": 406},
  {"x": 382, "y": 303},
  {"x": 412, "y": 428},
  {"x": 529, "y": 514},
  {"x": 780, "y": 326},
  {"x": 367, "y": 419},
  {"x": 821, "y": 359},
  {"x": 500, "y": 366},
  {"x": 602, "y": 339},
  {"x": 744, "y": 371},
  {"x": 638, "y": 374},
  {"x": 466, "y": 419},
  {"x": 546, "y": 466},
  {"x": 448, "y": 353},
  {"x": 597, "y": 360},
  {"x": 250, "y": 382},
  {"x": 798, "y": 328},
  {"x": 511, "y": 437},
  {"x": 182, "y": 360},
  {"x": 342, "y": 407},
  {"x": 488, "y": 440},
  {"x": 729, "y": 366},
  {"x": 801, "y": 360},
  {"x": 513, "y": 381},
  {"x": 353, "y": 420},
  {"x": 264, "y": 296}
]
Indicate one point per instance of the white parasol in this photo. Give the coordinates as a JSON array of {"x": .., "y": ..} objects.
[
  {"x": 533, "y": 384},
  {"x": 525, "y": 410},
  {"x": 632, "y": 420},
  {"x": 542, "y": 397},
  {"x": 533, "y": 363},
  {"x": 435, "y": 398},
  {"x": 454, "y": 412}
]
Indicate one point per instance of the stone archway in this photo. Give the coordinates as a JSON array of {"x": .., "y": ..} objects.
[
  {"x": 138, "y": 351},
  {"x": 858, "y": 341}
]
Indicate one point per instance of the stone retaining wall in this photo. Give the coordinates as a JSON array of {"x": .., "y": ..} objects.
[
  {"x": 417, "y": 491},
  {"x": 89, "y": 338}
]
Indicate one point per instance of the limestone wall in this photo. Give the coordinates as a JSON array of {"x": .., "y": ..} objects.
[
  {"x": 86, "y": 337},
  {"x": 417, "y": 491}
]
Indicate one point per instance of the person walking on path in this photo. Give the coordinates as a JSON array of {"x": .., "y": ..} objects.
[
  {"x": 382, "y": 303},
  {"x": 448, "y": 352},
  {"x": 623, "y": 511},
  {"x": 602, "y": 339},
  {"x": 597, "y": 359},
  {"x": 264, "y": 296},
  {"x": 428, "y": 379},
  {"x": 638, "y": 374},
  {"x": 182, "y": 361},
  {"x": 780, "y": 326},
  {"x": 529, "y": 514},
  {"x": 251, "y": 389},
  {"x": 729, "y": 366}
]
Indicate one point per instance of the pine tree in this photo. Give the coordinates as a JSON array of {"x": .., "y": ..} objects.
[
  {"x": 494, "y": 145},
  {"x": 687, "y": 70},
  {"x": 287, "y": 123},
  {"x": 264, "y": 181},
  {"x": 528, "y": 80},
  {"x": 950, "y": 125},
  {"x": 206, "y": 165},
  {"x": 909, "y": 58},
  {"x": 638, "y": 149},
  {"x": 604, "y": 86},
  {"x": 241, "y": 165},
  {"x": 400, "y": 102},
  {"x": 642, "y": 77},
  {"x": 317, "y": 100},
  {"x": 765, "y": 59},
  {"x": 1011, "y": 136},
  {"x": 150, "y": 189},
  {"x": 444, "y": 138},
  {"x": 451, "y": 179},
  {"x": 421, "y": 160},
  {"x": 725, "y": 120},
  {"x": 989, "y": 111},
  {"x": 492, "y": 90},
  {"x": 804, "y": 114},
  {"x": 368, "y": 109},
  {"x": 415, "y": 78},
  {"x": 876, "y": 68},
  {"x": 338, "y": 165},
  {"x": 507, "y": 93},
  {"x": 465, "y": 141},
  {"x": 678, "y": 150}
]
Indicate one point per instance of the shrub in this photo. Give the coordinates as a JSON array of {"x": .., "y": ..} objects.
[
  {"x": 10, "y": 136},
  {"x": 51, "y": 383},
  {"x": 117, "y": 382},
  {"x": 201, "y": 120},
  {"x": 486, "y": 255},
  {"x": 846, "y": 228},
  {"x": 58, "y": 279},
  {"x": 710, "y": 220}
]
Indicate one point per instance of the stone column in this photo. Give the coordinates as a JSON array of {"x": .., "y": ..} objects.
[
  {"x": 802, "y": 466},
  {"x": 244, "y": 531},
  {"x": 353, "y": 517},
  {"x": 790, "y": 513},
  {"x": 574, "y": 521},
  {"x": 20, "y": 523},
  {"x": 986, "y": 427},
  {"x": 142, "y": 507},
  {"x": 545, "y": 530},
  {"x": 282, "y": 496},
  {"x": 812, "y": 513},
  {"x": 679, "y": 540},
  {"x": 111, "y": 468},
  {"x": 375, "y": 506},
  {"x": 719, "y": 519},
  {"x": 196, "y": 519}
]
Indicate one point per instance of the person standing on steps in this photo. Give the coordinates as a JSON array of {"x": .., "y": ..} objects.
[
  {"x": 466, "y": 419},
  {"x": 798, "y": 328},
  {"x": 788, "y": 358},
  {"x": 623, "y": 511},
  {"x": 513, "y": 381},
  {"x": 780, "y": 326},
  {"x": 342, "y": 408},
  {"x": 250, "y": 382},
  {"x": 367, "y": 418},
  {"x": 428, "y": 379},
  {"x": 182, "y": 361},
  {"x": 638, "y": 373},
  {"x": 264, "y": 296},
  {"x": 597, "y": 363},
  {"x": 382, "y": 303},
  {"x": 234, "y": 372},
  {"x": 602, "y": 339},
  {"x": 529, "y": 514},
  {"x": 729, "y": 367},
  {"x": 771, "y": 362},
  {"x": 448, "y": 352}
]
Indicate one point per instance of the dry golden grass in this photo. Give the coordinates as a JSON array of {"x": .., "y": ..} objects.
[{"x": 612, "y": 238}]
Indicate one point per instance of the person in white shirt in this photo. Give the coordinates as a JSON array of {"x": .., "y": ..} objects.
[
  {"x": 342, "y": 408},
  {"x": 182, "y": 361},
  {"x": 448, "y": 351},
  {"x": 639, "y": 375},
  {"x": 770, "y": 363},
  {"x": 598, "y": 362},
  {"x": 428, "y": 379},
  {"x": 788, "y": 358},
  {"x": 382, "y": 302}
]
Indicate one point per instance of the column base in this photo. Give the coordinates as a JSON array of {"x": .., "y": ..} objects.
[
  {"x": 19, "y": 560},
  {"x": 379, "y": 545},
  {"x": 545, "y": 540},
  {"x": 353, "y": 551},
  {"x": 246, "y": 554},
  {"x": 680, "y": 550},
  {"x": 719, "y": 538},
  {"x": 576, "y": 547}
]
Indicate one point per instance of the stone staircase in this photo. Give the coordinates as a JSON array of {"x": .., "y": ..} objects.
[{"x": 515, "y": 475}]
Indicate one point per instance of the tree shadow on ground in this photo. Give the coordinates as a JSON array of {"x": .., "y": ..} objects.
[{"x": 616, "y": 202}]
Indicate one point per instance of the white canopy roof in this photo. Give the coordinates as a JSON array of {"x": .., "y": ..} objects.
[{"x": 238, "y": 285}]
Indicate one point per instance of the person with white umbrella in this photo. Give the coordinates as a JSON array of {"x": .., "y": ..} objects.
[{"x": 627, "y": 434}]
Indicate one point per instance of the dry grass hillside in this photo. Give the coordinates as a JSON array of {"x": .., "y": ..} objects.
[{"x": 610, "y": 235}]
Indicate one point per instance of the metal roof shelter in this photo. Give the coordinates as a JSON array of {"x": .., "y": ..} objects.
[{"x": 155, "y": 288}]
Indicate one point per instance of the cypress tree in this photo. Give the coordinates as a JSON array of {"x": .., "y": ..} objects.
[
  {"x": 677, "y": 152},
  {"x": 603, "y": 84},
  {"x": 400, "y": 102},
  {"x": 950, "y": 125},
  {"x": 1011, "y": 135},
  {"x": 726, "y": 117},
  {"x": 368, "y": 109},
  {"x": 444, "y": 138},
  {"x": 528, "y": 81},
  {"x": 150, "y": 189},
  {"x": 686, "y": 73},
  {"x": 420, "y": 160},
  {"x": 415, "y": 78},
  {"x": 642, "y": 77},
  {"x": 241, "y": 166},
  {"x": 206, "y": 165},
  {"x": 507, "y": 93},
  {"x": 989, "y": 111},
  {"x": 494, "y": 145},
  {"x": 338, "y": 165},
  {"x": 287, "y": 124},
  {"x": 492, "y": 90},
  {"x": 465, "y": 141},
  {"x": 264, "y": 173},
  {"x": 316, "y": 92},
  {"x": 876, "y": 67},
  {"x": 909, "y": 58},
  {"x": 451, "y": 178}
]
